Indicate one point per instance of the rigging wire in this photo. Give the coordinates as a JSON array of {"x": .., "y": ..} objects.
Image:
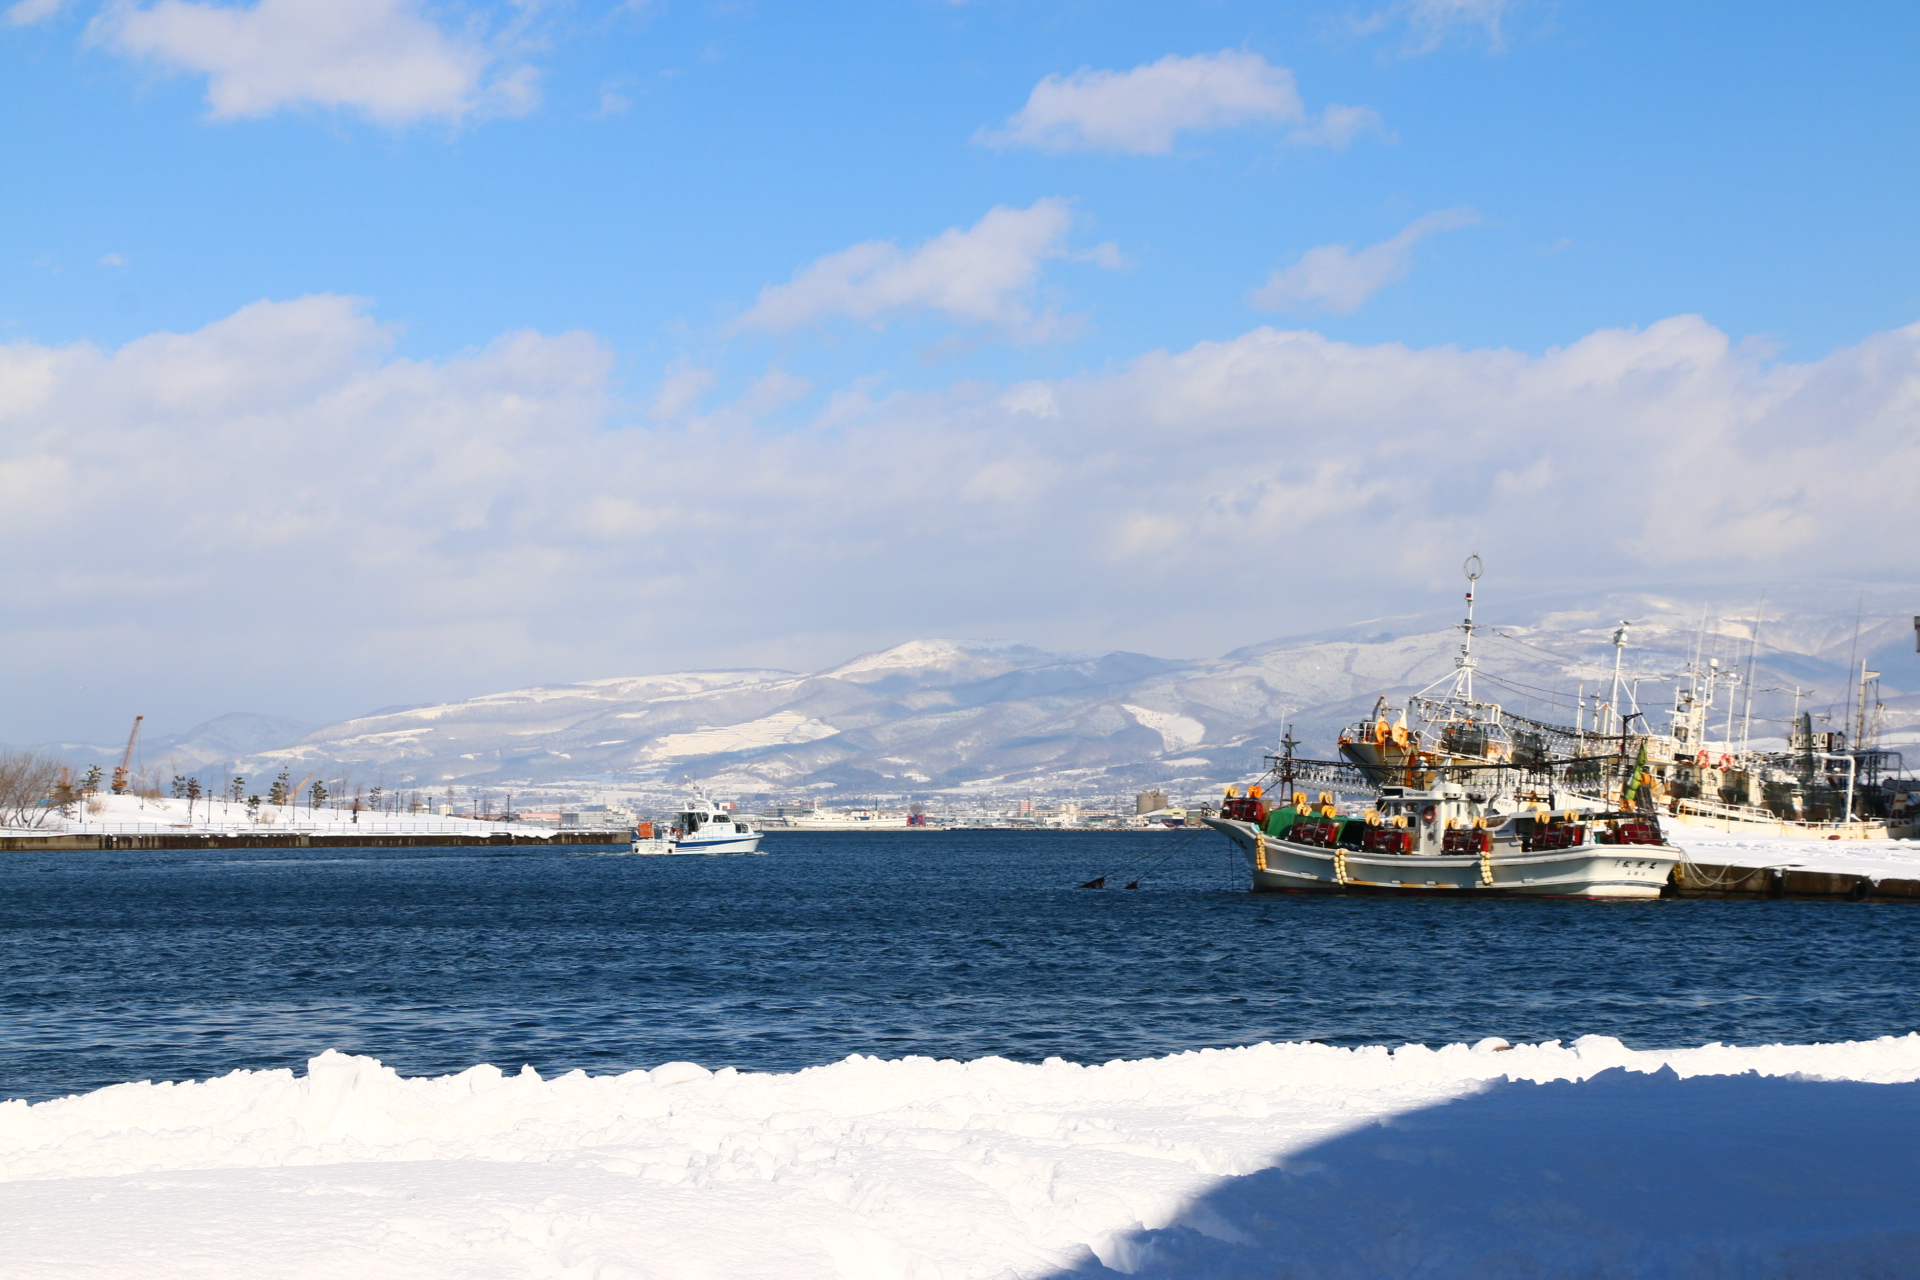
[{"x": 1591, "y": 671}]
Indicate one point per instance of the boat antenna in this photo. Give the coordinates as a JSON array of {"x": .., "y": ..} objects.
[
  {"x": 1464, "y": 682},
  {"x": 1619, "y": 649},
  {"x": 1753, "y": 650},
  {"x": 1852, "y": 653}
]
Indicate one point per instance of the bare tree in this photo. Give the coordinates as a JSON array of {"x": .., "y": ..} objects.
[{"x": 27, "y": 783}]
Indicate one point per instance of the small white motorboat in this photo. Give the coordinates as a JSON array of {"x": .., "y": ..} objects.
[{"x": 703, "y": 826}]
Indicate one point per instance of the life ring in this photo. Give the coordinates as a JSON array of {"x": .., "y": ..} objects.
[
  {"x": 1427, "y": 814},
  {"x": 1726, "y": 764},
  {"x": 1702, "y": 759}
]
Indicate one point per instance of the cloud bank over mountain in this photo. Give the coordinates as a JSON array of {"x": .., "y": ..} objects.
[{"x": 279, "y": 508}]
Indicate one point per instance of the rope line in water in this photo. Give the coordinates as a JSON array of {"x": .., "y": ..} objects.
[{"x": 1100, "y": 881}]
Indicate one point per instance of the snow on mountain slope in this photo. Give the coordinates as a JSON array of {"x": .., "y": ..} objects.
[
  {"x": 779, "y": 728},
  {"x": 931, "y": 715}
]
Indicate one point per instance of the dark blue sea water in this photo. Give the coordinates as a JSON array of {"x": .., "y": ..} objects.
[{"x": 128, "y": 966}]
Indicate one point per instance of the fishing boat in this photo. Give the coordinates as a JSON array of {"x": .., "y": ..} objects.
[
  {"x": 1462, "y": 799},
  {"x": 1836, "y": 785},
  {"x": 856, "y": 819},
  {"x": 702, "y": 826}
]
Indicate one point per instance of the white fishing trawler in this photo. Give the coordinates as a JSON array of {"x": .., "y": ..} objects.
[
  {"x": 703, "y": 826},
  {"x": 1466, "y": 801},
  {"x": 1835, "y": 785},
  {"x": 857, "y": 819}
]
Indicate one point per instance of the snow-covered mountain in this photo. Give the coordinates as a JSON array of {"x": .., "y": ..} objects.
[{"x": 944, "y": 715}]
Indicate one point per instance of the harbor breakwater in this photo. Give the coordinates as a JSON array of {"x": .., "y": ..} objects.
[{"x": 302, "y": 840}]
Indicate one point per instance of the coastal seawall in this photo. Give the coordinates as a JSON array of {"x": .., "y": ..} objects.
[
  {"x": 301, "y": 840},
  {"x": 1708, "y": 880}
]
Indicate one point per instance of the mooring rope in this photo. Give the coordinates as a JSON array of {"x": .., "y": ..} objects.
[
  {"x": 1693, "y": 877},
  {"x": 1100, "y": 882}
]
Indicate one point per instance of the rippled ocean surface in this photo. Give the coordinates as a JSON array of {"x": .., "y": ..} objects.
[{"x": 175, "y": 965}]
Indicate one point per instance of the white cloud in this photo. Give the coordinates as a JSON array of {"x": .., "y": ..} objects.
[
  {"x": 113, "y": 260},
  {"x": 382, "y": 58},
  {"x": 1336, "y": 127},
  {"x": 984, "y": 275},
  {"x": 1336, "y": 278},
  {"x": 681, "y": 389},
  {"x": 1428, "y": 24},
  {"x": 276, "y": 513},
  {"x": 27, "y": 12},
  {"x": 1144, "y": 110}
]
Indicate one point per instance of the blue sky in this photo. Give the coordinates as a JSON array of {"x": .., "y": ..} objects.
[
  {"x": 769, "y": 227},
  {"x": 1747, "y": 162}
]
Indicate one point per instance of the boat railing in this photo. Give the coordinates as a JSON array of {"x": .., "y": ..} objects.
[{"x": 1730, "y": 814}]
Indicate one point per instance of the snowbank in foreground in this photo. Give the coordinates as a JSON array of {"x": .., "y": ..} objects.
[{"x": 1276, "y": 1160}]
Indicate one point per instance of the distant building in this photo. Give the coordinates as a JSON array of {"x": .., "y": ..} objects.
[{"x": 1148, "y": 802}]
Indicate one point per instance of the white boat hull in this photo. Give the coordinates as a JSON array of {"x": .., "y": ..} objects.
[
  {"x": 1734, "y": 819},
  {"x": 729, "y": 843},
  {"x": 1584, "y": 871}
]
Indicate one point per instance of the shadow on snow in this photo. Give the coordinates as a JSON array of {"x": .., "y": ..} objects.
[{"x": 1626, "y": 1174}]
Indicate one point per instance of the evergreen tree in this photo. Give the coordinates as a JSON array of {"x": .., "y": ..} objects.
[
  {"x": 238, "y": 787},
  {"x": 179, "y": 787},
  {"x": 317, "y": 796},
  {"x": 277, "y": 793},
  {"x": 91, "y": 782}
]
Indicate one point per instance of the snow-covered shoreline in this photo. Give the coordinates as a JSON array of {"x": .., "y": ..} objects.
[
  {"x": 142, "y": 815},
  {"x": 1289, "y": 1159}
]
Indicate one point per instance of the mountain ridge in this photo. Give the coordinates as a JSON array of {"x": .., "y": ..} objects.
[{"x": 940, "y": 715}]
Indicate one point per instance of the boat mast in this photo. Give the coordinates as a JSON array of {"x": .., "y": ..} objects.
[
  {"x": 1619, "y": 650},
  {"x": 1463, "y": 682},
  {"x": 1860, "y": 714},
  {"x": 1753, "y": 650}
]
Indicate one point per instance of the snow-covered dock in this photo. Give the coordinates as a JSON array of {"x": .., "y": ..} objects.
[
  {"x": 1737, "y": 865},
  {"x": 1279, "y": 1160},
  {"x": 137, "y": 822},
  {"x": 370, "y": 837}
]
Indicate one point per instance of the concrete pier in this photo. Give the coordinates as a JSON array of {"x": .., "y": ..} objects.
[
  {"x": 1708, "y": 880},
  {"x": 302, "y": 840}
]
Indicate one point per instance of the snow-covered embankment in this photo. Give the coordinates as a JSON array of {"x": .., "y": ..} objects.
[
  {"x": 1275, "y": 1160},
  {"x": 1880, "y": 859}
]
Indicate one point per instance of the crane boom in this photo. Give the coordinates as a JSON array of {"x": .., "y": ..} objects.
[{"x": 120, "y": 774}]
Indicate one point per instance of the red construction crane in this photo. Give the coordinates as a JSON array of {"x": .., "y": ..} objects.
[{"x": 120, "y": 774}]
